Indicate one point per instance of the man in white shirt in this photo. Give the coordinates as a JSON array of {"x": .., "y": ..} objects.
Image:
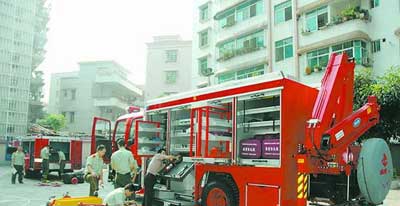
[
  {"x": 118, "y": 197},
  {"x": 155, "y": 166}
]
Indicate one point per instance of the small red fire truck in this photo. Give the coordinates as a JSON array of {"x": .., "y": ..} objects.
[{"x": 71, "y": 146}]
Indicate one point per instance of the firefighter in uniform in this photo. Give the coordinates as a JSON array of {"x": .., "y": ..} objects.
[
  {"x": 120, "y": 196},
  {"x": 44, "y": 154},
  {"x": 124, "y": 164},
  {"x": 61, "y": 157},
  {"x": 94, "y": 170},
  {"x": 18, "y": 165},
  {"x": 155, "y": 166}
]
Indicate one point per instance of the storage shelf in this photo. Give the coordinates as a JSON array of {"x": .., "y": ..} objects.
[
  {"x": 259, "y": 110},
  {"x": 260, "y": 124},
  {"x": 180, "y": 135},
  {"x": 149, "y": 129},
  {"x": 180, "y": 148},
  {"x": 212, "y": 137},
  {"x": 149, "y": 142},
  {"x": 181, "y": 122}
]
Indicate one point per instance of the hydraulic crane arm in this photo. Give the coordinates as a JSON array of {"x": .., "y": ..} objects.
[{"x": 333, "y": 126}]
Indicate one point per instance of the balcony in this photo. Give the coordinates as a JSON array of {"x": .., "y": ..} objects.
[
  {"x": 327, "y": 22},
  {"x": 222, "y": 5},
  {"x": 304, "y": 5},
  {"x": 331, "y": 34},
  {"x": 110, "y": 102},
  {"x": 241, "y": 58},
  {"x": 241, "y": 28},
  {"x": 121, "y": 84}
]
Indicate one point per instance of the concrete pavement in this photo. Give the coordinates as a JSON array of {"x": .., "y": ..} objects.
[{"x": 30, "y": 194}]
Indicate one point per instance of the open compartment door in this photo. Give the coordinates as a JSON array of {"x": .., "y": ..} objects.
[
  {"x": 76, "y": 154},
  {"x": 101, "y": 134},
  {"x": 150, "y": 137}
]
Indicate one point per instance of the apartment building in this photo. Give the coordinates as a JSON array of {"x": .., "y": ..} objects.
[
  {"x": 237, "y": 39},
  {"x": 23, "y": 27},
  {"x": 169, "y": 66},
  {"x": 99, "y": 88}
]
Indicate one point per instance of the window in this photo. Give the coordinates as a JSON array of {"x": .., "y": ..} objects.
[
  {"x": 14, "y": 81},
  {"x": 12, "y": 105},
  {"x": 203, "y": 38},
  {"x": 204, "y": 12},
  {"x": 356, "y": 49},
  {"x": 316, "y": 19},
  {"x": 241, "y": 12},
  {"x": 283, "y": 12},
  {"x": 171, "y": 55},
  {"x": 250, "y": 43},
  {"x": 10, "y": 129},
  {"x": 65, "y": 92},
  {"x": 374, "y": 3},
  {"x": 251, "y": 72},
  {"x": 344, "y": 47},
  {"x": 318, "y": 58},
  {"x": 71, "y": 117},
  {"x": 241, "y": 46},
  {"x": 283, "y": 49},
  {"x": 73, "y": 94},
  {"x": 203, "y": 65},
  {"x": 226, "y": 77},
  {"x": 170, "y": 77},
  {"x": 226, "y": 50},
  {"x": 376, "y": 46},
  {"x": 242, "y": 74}
]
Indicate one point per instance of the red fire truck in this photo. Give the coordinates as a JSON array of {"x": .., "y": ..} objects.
[
  {"x": 264, "y": 141},
  {"x": 71, "y": 146}
]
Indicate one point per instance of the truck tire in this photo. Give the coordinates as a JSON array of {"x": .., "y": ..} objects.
[{"x": 219, "y": 193}]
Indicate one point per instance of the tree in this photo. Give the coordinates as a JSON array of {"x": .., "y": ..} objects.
[
  {"x": 387, "y": 89},
  {"x": 36, "y": 94},
  {"x": 53, "y": 121}
]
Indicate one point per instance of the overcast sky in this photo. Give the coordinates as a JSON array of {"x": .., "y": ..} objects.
[{"x": 82, "y": 30}]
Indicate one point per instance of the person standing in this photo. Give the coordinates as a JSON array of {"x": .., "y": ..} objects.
[
  {"x": 155, "y": 166},
  {"x": 120, "y": 196},
  {"x": 61, "y": 157},
  {"x": 124, "y": 164},
  {"x": 94, "y": 170},
  {"x": 45, "y": 154},
  {"x": 18, "y": 165}
]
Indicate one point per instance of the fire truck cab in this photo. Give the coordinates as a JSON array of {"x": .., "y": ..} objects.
[
  {"x": 266, "y": 141},
  {"x": 126, "y": 128}
]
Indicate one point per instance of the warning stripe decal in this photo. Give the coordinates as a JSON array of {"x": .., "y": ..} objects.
[{"x": 302, "y": 186}]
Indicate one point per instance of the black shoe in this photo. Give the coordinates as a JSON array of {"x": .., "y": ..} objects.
[
  {"x": 13, "y": 183},
  {"x": 21, "y": 182}
]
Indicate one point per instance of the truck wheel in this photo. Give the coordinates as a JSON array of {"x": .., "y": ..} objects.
[{"x": 218, "y": 193}]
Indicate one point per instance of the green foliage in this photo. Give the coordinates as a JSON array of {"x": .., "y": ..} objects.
[
  {"x": 387, "y": 89},
  {"x": 53, "y": 121}
]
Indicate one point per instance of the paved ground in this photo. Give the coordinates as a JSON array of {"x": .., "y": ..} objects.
[{"x": 30, "y": 194}]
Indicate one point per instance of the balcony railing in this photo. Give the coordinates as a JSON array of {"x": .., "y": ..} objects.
[{"x": 238, "y": 52}]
